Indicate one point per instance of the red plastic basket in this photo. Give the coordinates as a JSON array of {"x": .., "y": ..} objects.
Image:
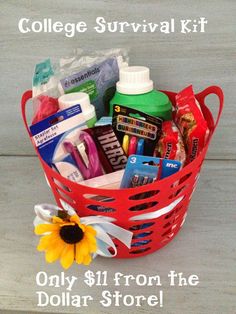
[{"x": 149, "y": 235}]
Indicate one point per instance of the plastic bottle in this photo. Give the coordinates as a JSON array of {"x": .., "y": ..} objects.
[
  {"x": 88, "y": 110},
  {"x": 135, "y": 90}
]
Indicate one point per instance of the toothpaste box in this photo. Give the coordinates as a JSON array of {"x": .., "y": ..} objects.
[{"x": 50, "y": 133}]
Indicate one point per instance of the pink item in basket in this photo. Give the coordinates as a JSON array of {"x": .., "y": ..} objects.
[
  {"x": 47, "y": 107},
  {"x": 86, "y": 156}
]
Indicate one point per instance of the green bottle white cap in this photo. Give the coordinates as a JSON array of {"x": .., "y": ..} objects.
[
  {"x": 134, "y": 80},
  {"x": 72, "y": 99}
]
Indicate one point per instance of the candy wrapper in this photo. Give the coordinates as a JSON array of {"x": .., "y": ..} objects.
[
  {"x": 170, "y": 145},
  {"x": 111, "y": 154},
  {"x": 191, "y": 123}
]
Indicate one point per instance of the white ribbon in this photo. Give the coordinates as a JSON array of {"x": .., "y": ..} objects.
[
  {"x": 159, "y": 212},
  {"x": 102, "y": 225}
]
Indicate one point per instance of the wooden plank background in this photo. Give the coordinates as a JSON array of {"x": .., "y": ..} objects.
[{"x": 206, "y": 245}]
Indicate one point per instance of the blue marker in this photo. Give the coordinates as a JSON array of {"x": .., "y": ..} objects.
[{"x": 140, "y": 147}]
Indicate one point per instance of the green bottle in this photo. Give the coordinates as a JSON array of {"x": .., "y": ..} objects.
[{"x": 135, "y": 90}]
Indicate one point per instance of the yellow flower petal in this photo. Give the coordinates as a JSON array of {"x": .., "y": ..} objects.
[
  {"x": 56, "y": 220},
  {"x": 84, "y": 247},
  {"x": 43, "y": 243},
  {"x": 87, "y": 260},
  {"x": 78, "y": 256},
  {"x": 90, "y": 238},
  {"x": 67, "y": 224},
  {"x": 54, "y": 243},
  {"x": 47, "y": 241},
  {"x": 82, "y": 227},
  {"x": 91, "y": 230},
  {"x": 92, "y": 247},
  {"x": 75, "y": 219},
  {"x": 43, "y": 228},
  {"x": 67, "y": 256},
  {"x": 53, "y": 254},
  {"x": 91, "y": 242}
]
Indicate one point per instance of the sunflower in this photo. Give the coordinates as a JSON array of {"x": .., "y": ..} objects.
[{"x": 65, "y": 238}]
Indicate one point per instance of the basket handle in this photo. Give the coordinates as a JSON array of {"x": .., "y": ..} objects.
[
  {"x": 201, "y": 97},
  {"x": 219, "y": 93},
  {"x": 25, "y": 97}
]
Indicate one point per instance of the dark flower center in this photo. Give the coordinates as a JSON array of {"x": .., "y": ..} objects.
[{"x": 71, "y": 234}]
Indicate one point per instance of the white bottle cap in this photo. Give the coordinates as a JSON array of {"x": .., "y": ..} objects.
[
  {"x": 69, "y": 100},
  {"x": 134, "y": 80}
]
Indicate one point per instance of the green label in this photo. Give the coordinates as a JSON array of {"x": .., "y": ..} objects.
[{"x": 88, "y": 87}]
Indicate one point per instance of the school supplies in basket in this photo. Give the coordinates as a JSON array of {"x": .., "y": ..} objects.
[
  {"x": 159, "y": 223},
  {"x": 142, "y": 170},
  {"x": 67, "y": 167},
  {"x": 50, "y": 133},
  {"x": 85, "y": 155},
  {"x": 137, "y": 131}
]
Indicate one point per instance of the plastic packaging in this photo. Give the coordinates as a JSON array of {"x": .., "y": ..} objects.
[
  {"x": 50, "y": 133},
  {"x": 191, "y": 123},
  {"x": 68, "y": 168},
  {"x": 142, "y": 170},
  {"x": 107, "y": 181},
  {"x": 98, "y": 81},
  {"x": 84, "y": 152},
  {"x": 109, "y": 149},
  {"x": 170, "y": 144},
  {"x": 137, "y": 132},
  {"x": 95, "y": 73},
  {"x": 104, "y": 121},
  {"x": 43, "y": 79},
  {"x": 46, "y": 106},
  {"x": 135, "y": 90}
]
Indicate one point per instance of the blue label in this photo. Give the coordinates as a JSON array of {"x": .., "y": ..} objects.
[{"x": 50, "y": 133}]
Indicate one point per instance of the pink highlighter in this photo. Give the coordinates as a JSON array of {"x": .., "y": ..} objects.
[
  {"x": 86, "y": 156},
  {"x": 132, "y": 145}
]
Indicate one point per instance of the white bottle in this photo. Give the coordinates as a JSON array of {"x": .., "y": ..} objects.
[{"x": 82, "y": 99}]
